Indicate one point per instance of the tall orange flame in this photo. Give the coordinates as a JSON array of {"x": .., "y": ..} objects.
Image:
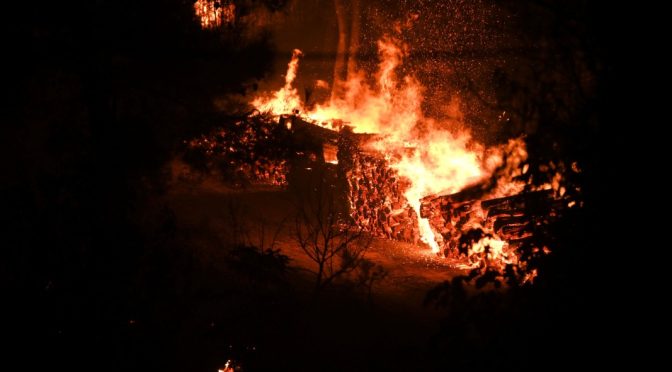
[{"x": 287, "y": 99}]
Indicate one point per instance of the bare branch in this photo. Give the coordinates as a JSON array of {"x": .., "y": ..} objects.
[{"x": 334, "y": 243}]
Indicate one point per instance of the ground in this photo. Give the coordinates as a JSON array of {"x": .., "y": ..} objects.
[
  {"x": 208, "y": 204},
  {"x": 393, "y": 322}
]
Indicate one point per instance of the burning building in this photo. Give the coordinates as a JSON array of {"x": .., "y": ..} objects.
[{"x": 402, "y": 175}]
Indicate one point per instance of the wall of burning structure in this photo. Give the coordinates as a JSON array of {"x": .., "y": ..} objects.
[
  {"x": 260, "y": 151},
  {"x": 375, "y": 197},
  {"x": 371, "y": 190},
  {"x": 375, "y": 192}
]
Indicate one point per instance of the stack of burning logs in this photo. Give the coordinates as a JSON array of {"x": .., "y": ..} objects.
[
  {"x": 511, "y": 218},
  {"x": 262, "y": 171},
  {"x": 248, "y": 152},
  {"x": 376, "y": 198}
]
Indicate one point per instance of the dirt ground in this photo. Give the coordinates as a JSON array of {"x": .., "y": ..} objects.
[
  {"x": 394, "y": 321},
  {"x": 208, "y": 206}
]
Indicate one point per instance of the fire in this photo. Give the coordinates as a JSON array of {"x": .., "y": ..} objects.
[
  {"x": 215, "y": 13},
  {"x": 433, "y": 158},
  {"x": 286, "y": 100},
  {"x": 390, "y": 107},
  {"x": 440, "y": 163}
]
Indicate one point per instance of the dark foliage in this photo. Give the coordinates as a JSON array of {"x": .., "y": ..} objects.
[
  {"x": 267, "y": 267},
  {"x": 101, "y": 93}
]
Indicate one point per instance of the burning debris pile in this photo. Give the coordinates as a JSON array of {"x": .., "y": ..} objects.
[
  {"x": 248, "y": 152},
  {"x": 495, "y": 235},
  {"x": 508, "y": 217},
  {"x": 476, "y": 226},
  {"x": 408, "y": 177}
]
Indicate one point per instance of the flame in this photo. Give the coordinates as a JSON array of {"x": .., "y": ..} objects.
[
  {"x": 435, "y": 157},
  {"x": 213, "y": 14},
  {"x": 441, "y": 163},
  {"x": 287, "y": 99},
  {"x": 389, "y": 107},
  {"x": 493, "y": 248}
]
